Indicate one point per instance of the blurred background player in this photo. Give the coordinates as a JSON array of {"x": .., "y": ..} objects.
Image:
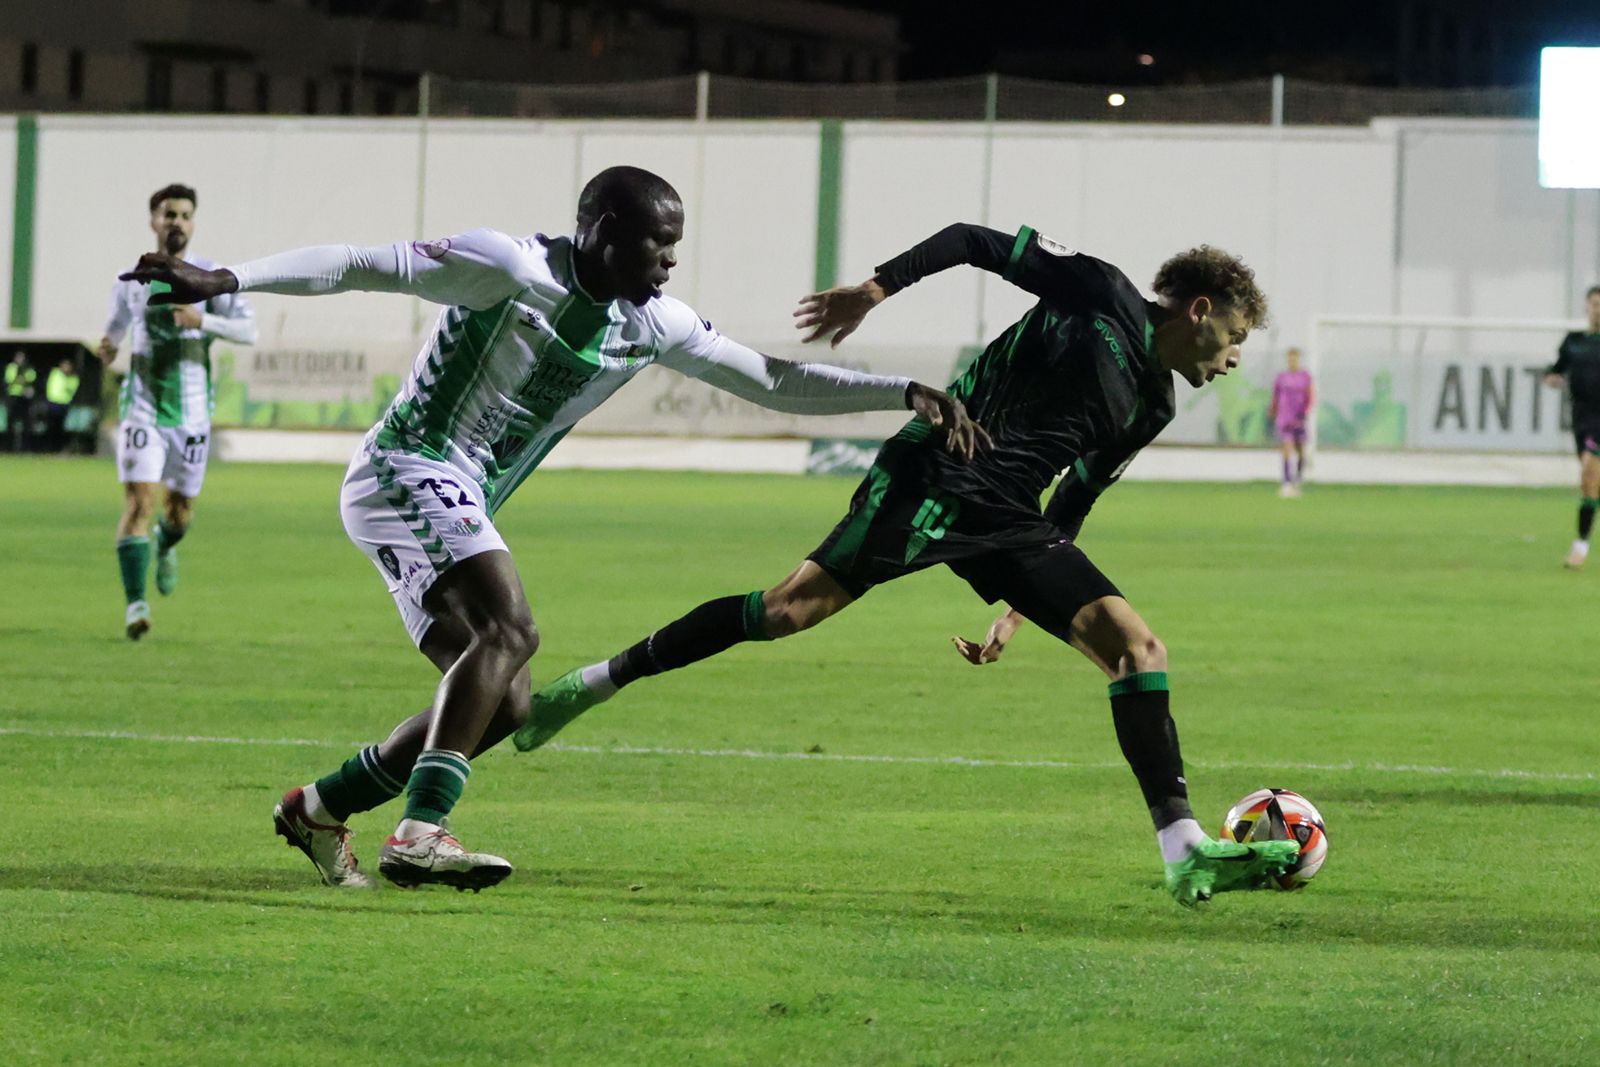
[
  {"x": 1577, "y": 366},
  {"x": 165, "y": 404},
  {"x": 1293, "y": 401},
  {"x": 536, "y": 333}
]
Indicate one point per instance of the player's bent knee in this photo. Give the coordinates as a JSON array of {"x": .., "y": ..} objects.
[
  {"x": 788, "y": 617},
  {"x": 518, "y": 639},
  {"x": 1145, "y": 653}
]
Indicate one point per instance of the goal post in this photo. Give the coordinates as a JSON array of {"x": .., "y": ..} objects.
[{"x": 1436, "y": 383}]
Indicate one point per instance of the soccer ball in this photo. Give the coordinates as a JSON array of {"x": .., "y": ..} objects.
[{"x": 1281, "y": 815}]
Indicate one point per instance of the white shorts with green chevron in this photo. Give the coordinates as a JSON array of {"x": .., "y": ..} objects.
[{"x": 414, "y": 518}]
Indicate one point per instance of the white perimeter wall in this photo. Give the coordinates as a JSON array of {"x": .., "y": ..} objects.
[{"x": 1423, "y": 217}]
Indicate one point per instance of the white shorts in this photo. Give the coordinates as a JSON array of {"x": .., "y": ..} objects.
[
  {"x": 175, "y": 456},
  {"x": 414, "y": 518}
]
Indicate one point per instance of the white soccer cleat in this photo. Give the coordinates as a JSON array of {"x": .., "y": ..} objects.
[
  {"x": 1576, "y": 557},
  {"x": 136, "y": 622},
  {"x": 438, "y": 857},
  {"x": 326, "y": 846}
]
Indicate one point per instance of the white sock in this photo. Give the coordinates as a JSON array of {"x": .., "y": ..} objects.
[
  {"x": 314, "y": 809},
  {"x": 1179, "y": 839},
  {"x": 597, "y": 679},
  {"x": 1581, "y": 547},
  {"x": 412, "y": 829}
]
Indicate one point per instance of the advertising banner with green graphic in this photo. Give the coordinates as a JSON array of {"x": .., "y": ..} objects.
[{"x": 1383, "y": 389}]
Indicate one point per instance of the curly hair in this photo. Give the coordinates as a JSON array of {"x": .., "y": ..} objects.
[
  {"x": 1207, "y": 271},
  {"x": 175, "y": 191}
]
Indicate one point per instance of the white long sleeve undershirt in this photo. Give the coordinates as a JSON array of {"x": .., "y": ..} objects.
[{"x": 478, "y": 271}]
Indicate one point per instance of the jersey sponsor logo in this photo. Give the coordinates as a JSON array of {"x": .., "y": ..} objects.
[
  {"x": 1104, "y": 330},
  {"x": 390, "y": 561},
  {"x": 431, "y": 249},
  {"x": 1055, "y": 248}
]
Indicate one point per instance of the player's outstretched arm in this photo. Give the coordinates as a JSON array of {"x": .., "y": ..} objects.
[
  {"x": 476, "y": 269},
  {"x": 994, "y": 642},
  {"x": 696, "y": 349}
]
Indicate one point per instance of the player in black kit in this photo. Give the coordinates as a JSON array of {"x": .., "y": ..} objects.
[
  {"x": 1577, "y": 366},
  {"x": 1079, "y": 384}
]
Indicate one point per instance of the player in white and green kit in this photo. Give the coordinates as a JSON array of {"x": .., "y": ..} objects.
[
  {"x": 165, "y": 406},
  {"x": 536, "y": 333}
]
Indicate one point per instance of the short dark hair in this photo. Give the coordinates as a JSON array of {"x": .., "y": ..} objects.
[
  {"x": 628, "y": 193},
  {"x": 1594, "y": 290},
  {"x": 175, "y": 191},
  {"x": 1207, "y": 271}
]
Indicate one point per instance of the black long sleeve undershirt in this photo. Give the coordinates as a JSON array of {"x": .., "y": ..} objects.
[{"x": 956, "y": 244}]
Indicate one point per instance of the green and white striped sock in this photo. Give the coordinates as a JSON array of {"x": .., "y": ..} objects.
[{"x": 437, "y": 781}]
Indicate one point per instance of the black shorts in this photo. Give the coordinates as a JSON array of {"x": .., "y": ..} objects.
[
  {"x": 898, "y": 524},
  {"x": 1586, "y": 434}
]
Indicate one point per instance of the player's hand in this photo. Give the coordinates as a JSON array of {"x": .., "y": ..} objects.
[
  {"x": 190, "y": 284},
  {"x": 1554, "y": 381},
  {"x": 962, "y": 437},
  {"x": 994, "y": 643},
  {"x": 187, "y": 316},
  {"x": 106, "y": 350},
  {"x": 837, "y": 311}
]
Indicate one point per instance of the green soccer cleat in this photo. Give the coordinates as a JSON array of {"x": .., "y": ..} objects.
[
  {"x": 553, "y": 707},
  {"x": 1220, "y": 866},
  {"x": 167, "y": 571}
]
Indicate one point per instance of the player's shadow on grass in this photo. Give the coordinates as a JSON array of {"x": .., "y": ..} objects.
[
  {"x": 1263, "y": 918},
  {"x": 264, "y": 887}
]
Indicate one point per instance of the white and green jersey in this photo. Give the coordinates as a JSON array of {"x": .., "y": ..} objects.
[
  {"x": 169, "y": 380},
  {"x": 521, "y": 352}
]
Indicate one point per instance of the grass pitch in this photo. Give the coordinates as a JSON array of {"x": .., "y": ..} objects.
[{"x": 693, "y": 887}]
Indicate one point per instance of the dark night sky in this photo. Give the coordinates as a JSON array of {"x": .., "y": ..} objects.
[{"x": 1366, "y": 41}]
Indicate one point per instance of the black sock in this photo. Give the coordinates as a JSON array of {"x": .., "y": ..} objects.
[
  {"x": 713, "y": 627},
  {"x": 1586, "y": 517},
  {"x": 1149, "y": 740},
  {"x": 167, "y": 536}
]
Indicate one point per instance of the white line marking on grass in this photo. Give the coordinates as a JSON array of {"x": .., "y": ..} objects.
[{"x": 845, "y": 757}]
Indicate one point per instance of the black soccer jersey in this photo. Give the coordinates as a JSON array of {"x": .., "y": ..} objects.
[
  {"x": 1579, "y": 362},
  {"x": 1073, "y": 386}
]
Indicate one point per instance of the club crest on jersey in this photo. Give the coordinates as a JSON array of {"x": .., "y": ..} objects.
[
  {"x": 466, "y": 527},
  {"x": 432, "y": 249},
  {"x": 1055, "y": 248}
]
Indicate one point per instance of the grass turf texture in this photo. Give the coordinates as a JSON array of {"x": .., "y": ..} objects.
[{"x": 676, "y": 908}]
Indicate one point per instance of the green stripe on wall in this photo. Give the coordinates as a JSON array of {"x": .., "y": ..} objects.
[
  {"x": 22, "y": 222},
  {"x": 830, "y": 177}
]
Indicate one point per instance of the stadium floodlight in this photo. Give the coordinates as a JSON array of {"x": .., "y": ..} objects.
[{"x": 1569, "y": 92}]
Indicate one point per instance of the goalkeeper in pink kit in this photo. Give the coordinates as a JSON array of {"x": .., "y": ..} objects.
[{"x": 1294, "y": 399}]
